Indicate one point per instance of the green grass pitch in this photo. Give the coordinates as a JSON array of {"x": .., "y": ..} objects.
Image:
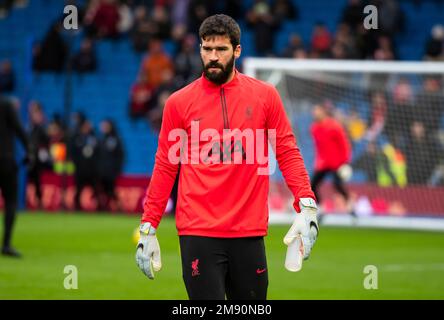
[{"x": 410, "y": 263}]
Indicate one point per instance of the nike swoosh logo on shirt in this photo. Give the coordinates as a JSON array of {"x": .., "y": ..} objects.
[{"x": 259, "y": 271}]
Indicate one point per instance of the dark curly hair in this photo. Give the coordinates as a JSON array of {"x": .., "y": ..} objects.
[{"x": 220, "y": 25}]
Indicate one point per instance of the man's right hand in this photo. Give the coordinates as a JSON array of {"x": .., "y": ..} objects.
[{"x": 148, "y": 251}]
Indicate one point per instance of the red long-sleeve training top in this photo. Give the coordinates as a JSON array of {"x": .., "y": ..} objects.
[
  {"x": 220, "y": 199},
  {"x": 331, "y": 143}
]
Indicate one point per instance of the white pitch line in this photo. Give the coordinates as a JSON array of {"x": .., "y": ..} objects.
[{"x": 411, "y": 267}]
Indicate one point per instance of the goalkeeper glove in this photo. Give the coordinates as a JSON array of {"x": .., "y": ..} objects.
[
  {"x": 302, "y": 235},
  {"x": 148, "y": 251}
]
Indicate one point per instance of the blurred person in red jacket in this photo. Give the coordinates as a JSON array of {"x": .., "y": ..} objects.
[
  {"x": 102, "y": 18},
  {"x": 140, "y": 97},
  {"x": 332, "y": 150}
]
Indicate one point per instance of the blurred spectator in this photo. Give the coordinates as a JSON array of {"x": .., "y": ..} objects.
[
  {"x": 57, "y": 146},
  {"x": 353, "y": 13},
  {"x": 168, "y": 83},
  {"x": 344, "y": 46},
  {"x": 198, "y": 11},
  {"x": 179, "y": 12},
  {"x": 356, "y": 125},
  {"x": 264, "y": 24},
  {"x": 5, "y": 7},
  {"x": 285, "y": 10},
  {"x": 102, "y": 18},
  {"x": 76, "y": 121},
  {"x": 167, "y": 87},
  {"x": 155, "y": 63},
  {"x": 390, "y": 17},
  {"x": 85, "y": 153},
  {"x": 155, "y": 115},
  {"x": 366, "y": 42},
  {"x": 141, "y": 97},
  {"x": 51, "y": 54},
  {"x": 421, "y": 155},
  {"x": 372, "y": 162},
  {"x": 384, "y": 50},
  {"x": 126, "y": 18},
  {"x": 7, "y": 77},
  {"x": 85, "y": 60},
  {"x": 434, "y": 49},
  {"x": 321, "y": 41},
  {"x": 143, "y": 29},
  {"x": 39, "y": 148},
  {"x": 161, "y": 23},
  {"x": 400, "y": 113},
  {"x": 111, "y": 156},
  {"x": 188, "y": 64},
  {"x": 179, "y": 19},
  {"x": 377, "y": 115},
  {"x": 294, "y": 45},
  {"x": 430, "y": 104},
  {"x": 234, "y": 9}
]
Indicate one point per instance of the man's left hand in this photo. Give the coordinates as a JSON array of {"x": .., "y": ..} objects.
[{"x": 305, "y": 226}]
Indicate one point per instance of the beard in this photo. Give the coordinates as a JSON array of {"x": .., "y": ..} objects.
[{"x": 219, "y": 77}]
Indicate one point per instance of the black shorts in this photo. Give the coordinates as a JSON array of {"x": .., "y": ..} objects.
[{"x": 219, "y": 268}]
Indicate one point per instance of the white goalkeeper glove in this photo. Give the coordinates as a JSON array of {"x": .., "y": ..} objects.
[
  {"x": 302, "y": 235},
  {"x": 148, "y": 251}
]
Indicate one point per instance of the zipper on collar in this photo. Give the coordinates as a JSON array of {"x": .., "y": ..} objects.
[{"x": 224, "y": 108}]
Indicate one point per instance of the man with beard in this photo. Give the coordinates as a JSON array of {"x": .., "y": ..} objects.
[{"x": 222, "y": 210}]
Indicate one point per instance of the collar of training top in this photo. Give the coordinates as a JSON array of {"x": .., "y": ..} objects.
[{"x": 230, "y": 84}]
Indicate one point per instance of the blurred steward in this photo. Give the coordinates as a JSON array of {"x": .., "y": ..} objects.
[
  {"x": 111, "y": 157},
  {"x": 10, "y": 128},
  {"x": 39, "y": 148},
  {"x": 85, "y": 150}
]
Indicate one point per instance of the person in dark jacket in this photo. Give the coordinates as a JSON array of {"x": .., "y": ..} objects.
[
  {"x": 51, "y": 54},
  {"x": 111, "y": 156},
  {"x": 85, "y": 150},
  {"x": 39, "y": 147},
  {"x": 10, "y": 128}
]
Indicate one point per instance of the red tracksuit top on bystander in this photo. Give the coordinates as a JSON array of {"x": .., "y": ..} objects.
[
  {"x": 219, "y": 199},
  {"x": 332, "y": 146}
]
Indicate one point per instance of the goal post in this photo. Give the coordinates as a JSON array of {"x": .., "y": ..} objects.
[{"x": 393, "y": 113}]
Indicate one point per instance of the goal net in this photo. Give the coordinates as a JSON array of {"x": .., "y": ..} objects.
[{"x": 393, "y": 113}]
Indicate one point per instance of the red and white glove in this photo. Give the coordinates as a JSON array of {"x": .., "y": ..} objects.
[{"x": 302, "y": 235}]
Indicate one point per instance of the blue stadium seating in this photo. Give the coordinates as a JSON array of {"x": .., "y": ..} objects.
[{"x": 105, "y": 93}]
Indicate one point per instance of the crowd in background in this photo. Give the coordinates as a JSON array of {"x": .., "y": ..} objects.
[
  {"x": 96, "y": 160},
  {"x": 403, "y": 134},
  {"x": 150, "y": 24}
]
